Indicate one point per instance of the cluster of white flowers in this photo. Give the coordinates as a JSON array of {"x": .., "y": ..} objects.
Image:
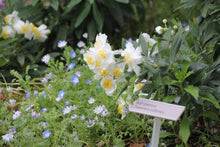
[
  {"x": 14, "y": 25},
  {"x": 101, "y": 61}
]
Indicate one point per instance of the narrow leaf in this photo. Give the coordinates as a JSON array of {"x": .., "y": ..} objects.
[
  {"x": 21, "y": 59},
  {"x": 123, "y": 1},
  {"x": 70, "y": 5},
  {"x": 34, "y": 2},
  {"x": 97, "y": 16},
  {"x": 85, "y": 11},
  {"x": 211, "y": 99},
  {"x": 55, "y": 4}
]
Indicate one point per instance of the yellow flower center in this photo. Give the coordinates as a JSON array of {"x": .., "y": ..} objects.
[
  {"x": 104, "y": 73},
  {"x": 127, "y": 58},
  {"x": 89, "y": 60},
  {"x": 24, "y": 29},
  {"x": 117, "y": 72},
  {"x": 107, "y": 84},
  {"x": 4, "y": 34},
  {"x": 139, "y": 86},
  {"x": 6, "y": 19},
  {"x": 97, "y": 63},
  {"x": 120, "y": 109},
  {"x": 102, "y": 53},
  {"x": 96, "y": 43}
]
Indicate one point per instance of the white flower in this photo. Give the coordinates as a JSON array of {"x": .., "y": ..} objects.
[
  {"x": 81, "y": 44},
  {"x": 109, "y": 85},
  {"x": 67, "y": 109},
  {"x": 85, "y": 35},
  {"x": 99, "y": 109},
  {"x": 8, "y": 137},
  {"x": 39, "y": 33},
  {"x": 132, "y": 57},
  {"x": 61, "y": 44},
  {"x": 18, "y": 25},
  {"x": 16, "y": 114},
  {"x": 159, "y": 29},
  {"x": 46, "y": 58},
  {"x": 8, "y": 32},
  {"x": 12, "y": 18},
  {"x": 91, "y": 100},
  {"x": 150, "y": 43},
  {"x": 12, "y": 101}
]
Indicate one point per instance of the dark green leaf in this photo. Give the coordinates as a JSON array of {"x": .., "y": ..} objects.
[
  {"x": 97, "y": 16},
  {"x": 92, "y": 29},
  {"x": 211, "y": 115},
  {"x": 55, "y": 4},
  {"x": 169, "y": 99},
  {"x": 211, "y": 99},
  {"x": 149, "y": 67},
  {"x": 21, "y": 59},
  {"x": 5, "y": 42},
  {"x": 85, "y": 11},
  {"x": 3, "y": 61},
  {"x": 123, "y": 1},
  {"x": 70, "y": 5},
  {"x": 117, "y": 14},
  {"x": 34, "y": 2}
]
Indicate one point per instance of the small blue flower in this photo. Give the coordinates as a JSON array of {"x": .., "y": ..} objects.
[
  {"x": 45, "y": 94},
  {"x": 61, "y": 44},
  {"x": 35, "y": 92},
  {"x": 97, "y": 86},
  {"x": 75, "y": 79},
  {"x": 149, "y": 145},
  {"x": 67, "y": 103},
  {"x": 179, "y": 66},
  {"x": 46, "y": 134},
  {"x": 44, "y": 80},
  {"x": 88, "y": 81},
  {"x": 71, "y": 65},
  {"x": 73, "y": 54},
  {"x": 117, "y": 30},
  {"x": 151, "y": 60},
  {"x": 127, "y": 41},
  {"x": 27, "y": 94},
  {"x": 76, "y": 138},
  {"x": 61, "y": 94},
  {"x": 44, "y": 110},
  {"x": 179, "y": 23},
  {"x": 184, "y": 24},
  {"x": 0, "y": 121}
]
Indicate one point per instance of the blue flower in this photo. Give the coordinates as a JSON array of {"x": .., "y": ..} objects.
[
  {"x": 35, "y": 92},
  {"x": 46, "y": 134},
  {"x": 45, "y": 94},
  {"x": 184, "y": 24},
  {"x": 75, "y": 79},
  {"x": 44, "y": 80},
  {"x": 88, "y": 81},
  {"x": 61, "y": 44},
  {"x": 127, "y": 41},
  {"x": 149, "y": 145},
  {"x": 71, "y": 65},
  {"x": 27, "y": 94},
  {"x": 67, "y": 103},
  {"x": 97, "y": 86},
  {"x": 151, "y": 60},
  {"x": 61, "y": 94},
  {"x": 73, "y": 54},
  {"x": 76, "y": 138},
  {"x": 44, "y": 110},
  {"x": 0, "y": 121}
]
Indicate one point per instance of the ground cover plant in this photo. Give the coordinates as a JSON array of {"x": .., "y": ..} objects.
[{"x": 83, "y": 97}]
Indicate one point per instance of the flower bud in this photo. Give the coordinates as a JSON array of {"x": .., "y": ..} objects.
[
  {"x": 175, "y": 27},
  {"x": 164, "y": 21}
]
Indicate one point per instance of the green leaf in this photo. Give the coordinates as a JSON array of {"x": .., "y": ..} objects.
[
  {"x": 34, "y": 2},
  {"x": 184, "y": 132},
  {"x": 117, "y": 14},
  {"x": 70, "y": 5},
  {"x": 5, "y": 42},
  {"x": 3, "y": 61},
  {"x": 61, "y": 35},
  {"x": 55, "y": 4},
  {"x": 97, "y": 16},
  {"x": 166, "y": 134},
  {"x": 194, "y": 91},
  {"x": 91, "y": 1},
  {"x": 149, "y": 67},
  {"x": 169, "y": 98},
  {"x": 92, "y": 29},
  {"x": 21, "y": 59},
  {"x": 211, "y": 99},
  {"x": 123, "y": 1},
  {"x": 143, "y": 45},
  {"x": 85, "y": 11},
  {"x": 211, "y": 115}
]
